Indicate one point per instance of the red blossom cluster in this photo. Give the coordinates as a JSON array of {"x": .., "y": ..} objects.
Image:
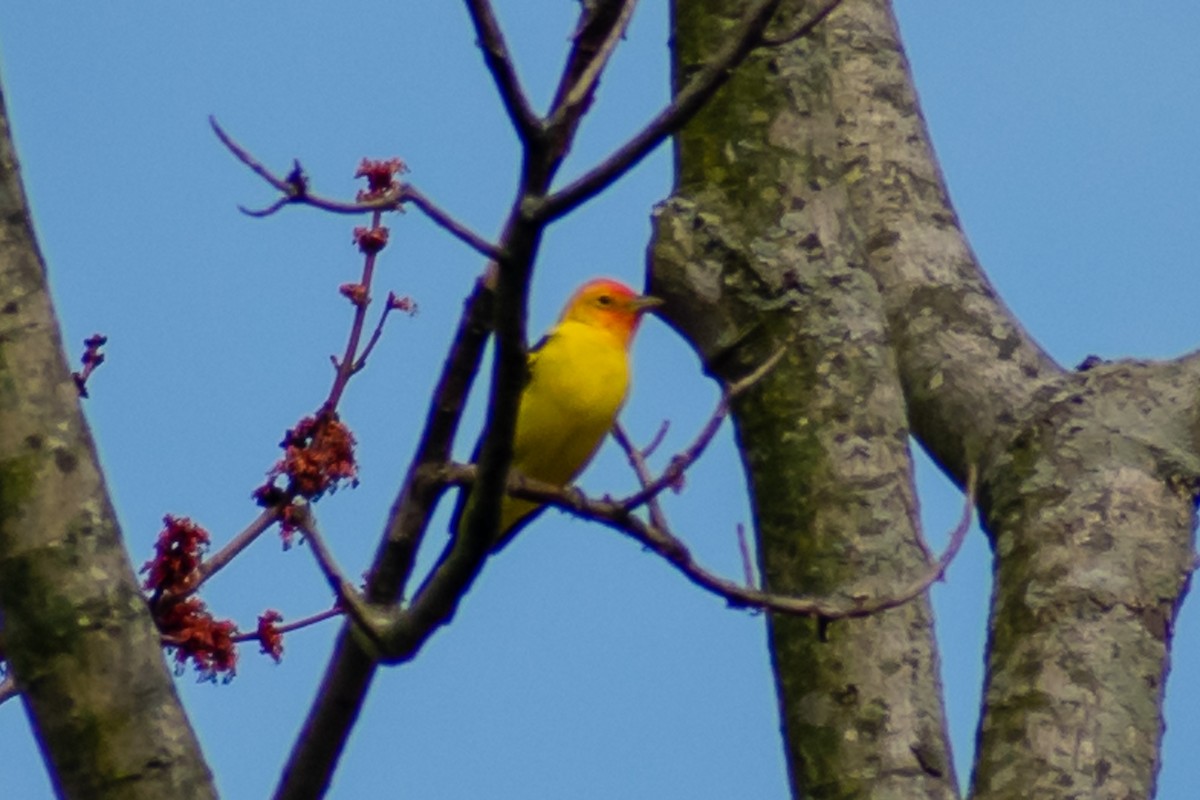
[
  {"x": 318, "y": 455},
  {"x": 190, "y": 630},
  {"x": 380, "y": 175},
  {"x": 398, "y": 303},
  {"x": 356, "y": 293},
  {"x": 177, "y": 556},
  {"x": 270, "y": 638},
  {"x": 371, "y": 240}
]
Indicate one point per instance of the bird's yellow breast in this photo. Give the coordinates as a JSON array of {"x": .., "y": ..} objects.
[{"x": 578, "y": 381}]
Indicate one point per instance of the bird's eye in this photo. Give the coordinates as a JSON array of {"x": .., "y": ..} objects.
[{"x": 605, "y": 300}]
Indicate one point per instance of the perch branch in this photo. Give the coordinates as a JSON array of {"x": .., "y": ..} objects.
[{"x": 676, "y": 552}]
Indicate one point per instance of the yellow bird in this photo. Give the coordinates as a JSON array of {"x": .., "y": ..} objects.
[{"x": 578, "y": 380}]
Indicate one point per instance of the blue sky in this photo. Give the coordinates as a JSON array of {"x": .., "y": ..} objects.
[{"x": 579, "y": 666}]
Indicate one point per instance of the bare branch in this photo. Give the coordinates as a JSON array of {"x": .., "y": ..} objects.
[
  {"x": 676, "y": 552},
  {"x": 659, "y": 436},
  {"x": 637, "y": 460},
  {"x": 410, "y": 193},
  {"x": 347, "y": 595},
  {"x": 747, "y": 562},
  {"x": 294, "y": 189},
  {"x": 237, "y": 544},
  {"x": 743, "y": 38},
  {"x": 305, "y": 622},
  {"x": 576, "y": 93},
  {"x": 680, "y": 463},
  {"x": 504, "y": 73},
  {"x": 391, "y": 305}
]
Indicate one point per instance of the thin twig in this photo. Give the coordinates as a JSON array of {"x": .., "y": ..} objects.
[
  {"x": 504, "y": 73},
  {"x": 375, "y": 334},
  {"x": 637, "y": 460},
  {"x": 659, "y": 436},
  {"x": 308, "y": 621},
  {"x": 348, "y": 596},
  {"x": 442, "y": 218},
  {"x": 295, "y": 191},
  {"x": 682, "y": 461},
  {"x": 742, "y": 39},
  {"x": 237, "y": 544},
  {"x": 747, "y": 563}
]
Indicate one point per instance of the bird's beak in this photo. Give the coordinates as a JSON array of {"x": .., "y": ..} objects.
[{"x": 645, "y": 302}]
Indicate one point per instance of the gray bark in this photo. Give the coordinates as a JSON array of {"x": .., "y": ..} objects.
[
  {"x": 810, "y": 212},
  {"x": 78, "y": 637}
]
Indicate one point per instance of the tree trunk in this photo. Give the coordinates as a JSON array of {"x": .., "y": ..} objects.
[
  {"x": 810, "y": 213},
  {"x": 77, "y": 635}
]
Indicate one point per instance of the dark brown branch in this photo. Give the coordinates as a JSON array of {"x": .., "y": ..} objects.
[
  {"x": 743, "y": 38},
  {"x": 295, "y": 191},
  {"x": 676, "y": 552},
  {"x": 504, "y": 73},
  {"x": 418, "y": 495}
]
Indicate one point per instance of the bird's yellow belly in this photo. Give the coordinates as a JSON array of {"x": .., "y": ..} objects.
[{"x": 577, "y": 386}]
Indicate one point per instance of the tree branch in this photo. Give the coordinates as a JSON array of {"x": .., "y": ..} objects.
[
  {"x": 676, "y": 552},
  {"x": 211, "y": 566},
  {"x": 348, "y": 597},
  {"x": 681, "y": 462},
  {"x": 294, "y": 189},
  {"x": 504, "y": 73},
  {"x": 743, "y": 38},
  {"x": 601, "y": 29}
]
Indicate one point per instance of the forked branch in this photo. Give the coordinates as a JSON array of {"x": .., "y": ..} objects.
[
  {"x": 743, "y": 39},
  {"x": 294, "y": 190},
  {"x": 651, "y": 488}
]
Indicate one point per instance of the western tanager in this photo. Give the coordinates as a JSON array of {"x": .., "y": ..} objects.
[{"x": 578, "y": 379}]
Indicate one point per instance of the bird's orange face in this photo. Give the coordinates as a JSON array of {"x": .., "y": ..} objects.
[{"x": 611, "y": 305}]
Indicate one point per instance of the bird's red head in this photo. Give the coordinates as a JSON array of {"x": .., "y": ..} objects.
[{"x": 611, "y": 305}]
